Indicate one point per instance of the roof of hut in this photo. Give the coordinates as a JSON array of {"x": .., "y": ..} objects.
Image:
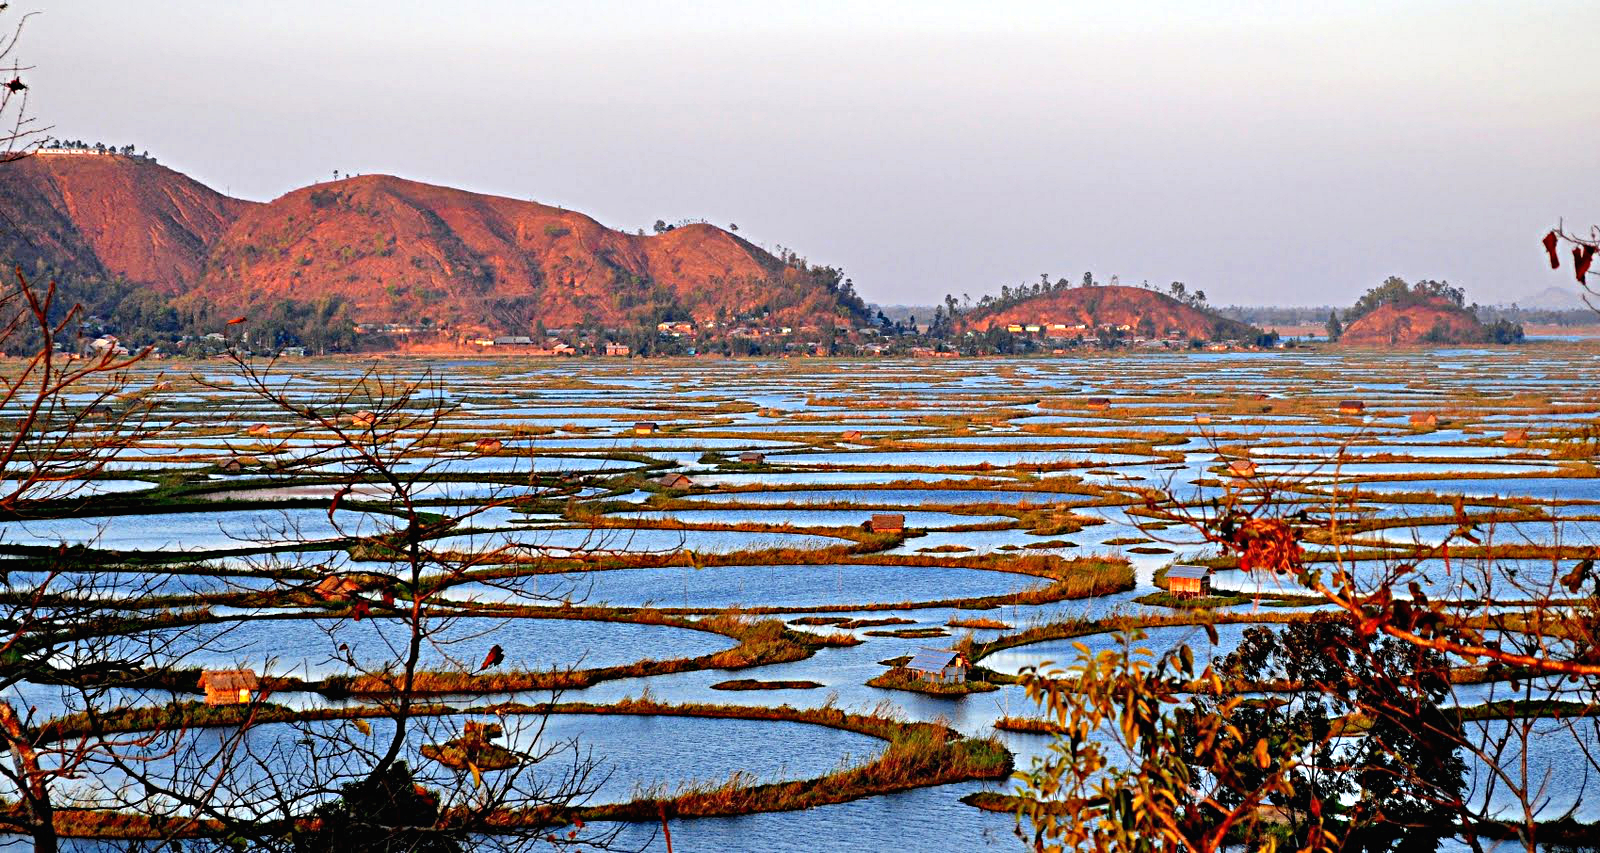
[
  {"x": 229, "y": 679},
  {"x": 932, "y": 660}
]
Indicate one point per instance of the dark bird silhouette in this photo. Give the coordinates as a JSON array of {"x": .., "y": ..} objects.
[
  {"x": 16, "y": 84},
  {"x": 495, "y": 656}
]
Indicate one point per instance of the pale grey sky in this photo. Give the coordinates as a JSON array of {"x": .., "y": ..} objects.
[{"x": 1262, "y": 152}]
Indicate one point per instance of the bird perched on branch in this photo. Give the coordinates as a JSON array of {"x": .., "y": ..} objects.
[
  {"x": 494, "y": 658},
  {"x": 16, "y": 84}
]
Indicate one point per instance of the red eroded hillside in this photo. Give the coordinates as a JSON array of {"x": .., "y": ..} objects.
[
  {"x": 112, "y": 215},
  {"x": 1143, "y": 311},
  {"x": 404, "y": 251},
  {"x": 1437, "y": 321},
  {"x": 396, "y": 251}
]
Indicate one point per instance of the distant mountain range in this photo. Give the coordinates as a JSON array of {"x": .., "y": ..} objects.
[
  {"x": 1556, "y": 298},
  {"x": 396, "y": 251}
]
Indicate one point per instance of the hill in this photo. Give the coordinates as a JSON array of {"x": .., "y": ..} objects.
[
  {"x": 1144, "y": 312},
  {"x": 1555, "y": 298},
  {"x": 1428, "y": 312},
  {"x": 384, "y": 250},
  {"x": 111, "y": 215},
  {"x": 404, "y": 252},
  {"x": 1401, "y": 325}
]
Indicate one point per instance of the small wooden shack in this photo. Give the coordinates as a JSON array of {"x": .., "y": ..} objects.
[
  {"x": 1424, "y": 420},
  {"x": 942, "y": 666},
  {"x": 259, "y": 431},
  {"x": 1202, "y": 419},
  {"x": 675, "y": 481},
  {"x": 1515, "y": 436},
  {"x": 751, "y": 457},
  {"x": 1099, "y": 404},
  {"x": 232, "y": 466},
  {"x": 1352, "y": 407},
  {"x": 646, "y": 428},
  {"x": 887, "y": 522},
  {"x": 339, "y": 587},
  {"x": 1242, "y": 468},
  {"x": 229, "y": 686},
  {"x": 363, "y": 418},
  {"x": 1187, "y": 581},
  {"x": 850, "y": 435},
  {"x": 488, "y": 445}
]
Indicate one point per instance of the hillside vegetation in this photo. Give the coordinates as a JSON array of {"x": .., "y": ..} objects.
[
  {"x": 1429, "y": 312},
  {"x": 1088, "y": 312}
]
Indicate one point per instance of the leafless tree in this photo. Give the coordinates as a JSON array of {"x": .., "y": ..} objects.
[
  {"x": 68, "y": 417},
  {"x": 395, "y": 634},
  {"x": 20, "y": 132}
]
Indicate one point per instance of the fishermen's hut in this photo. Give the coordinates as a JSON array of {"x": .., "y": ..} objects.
[
  {"x": 259, "y": 431},
  {"x": 850, "y": 435},
  {"x": 1424, "y": 420},
  {"x": 1516, "y": 436},
  {"x": 751, "y": 457},
  {"x": 674, "y": 481},
  {"x": 1099, "y": 404},
  {"x": 1352, "y": 407},
  {"x": 646, "y": 428},
  {"x": 1187, "y": 581},
  {"x": 229, "y": 686},
  {"x": 887, "y": 522},
  {"x": 1242, "y": 468},
  {"x": 488, "y": 445},
  {"x": 339, "y": 587},
  {"x": 941, "y": 666}
]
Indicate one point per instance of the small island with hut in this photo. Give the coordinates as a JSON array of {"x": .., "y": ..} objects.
[{"x": 937, "y": 672}]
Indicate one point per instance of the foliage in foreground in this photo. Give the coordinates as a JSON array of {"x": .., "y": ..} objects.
[{"x": 1142, "y": 763}]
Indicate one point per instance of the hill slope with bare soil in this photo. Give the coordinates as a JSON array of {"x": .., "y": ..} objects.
[
  {"x": 111, "y": 215},
  {"x": 1142, "y": 311},
  {"x": 394, "y": 251},
  {"x": 1438, "y": 321}
]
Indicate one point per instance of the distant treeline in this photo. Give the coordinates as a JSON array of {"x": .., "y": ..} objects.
[
  {"x": 1267, "y": 316},
  {"x": 1540, "y": 316}
]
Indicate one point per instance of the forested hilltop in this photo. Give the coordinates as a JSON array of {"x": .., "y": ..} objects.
[{"x": 1396, "y": 313}]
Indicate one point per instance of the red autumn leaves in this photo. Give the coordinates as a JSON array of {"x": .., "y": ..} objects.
[
  {"x": 1266, "y": 544},
  {"x": 1582, "y": 255}
]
